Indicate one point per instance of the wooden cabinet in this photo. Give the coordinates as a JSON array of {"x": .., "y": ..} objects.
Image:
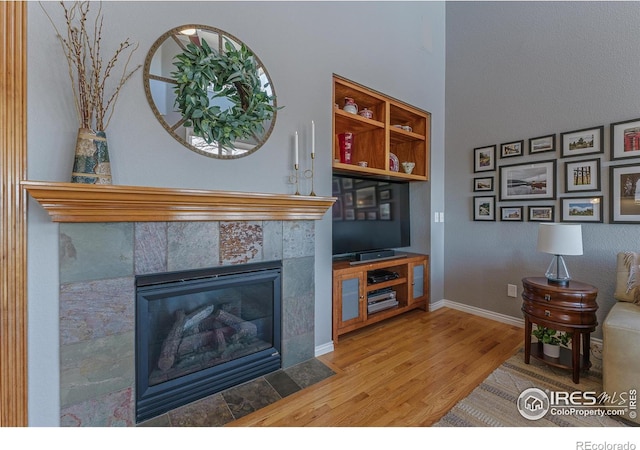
[
  {"x": 352, "y": 290},
  {"x": 378, "y": 139},
  {"x": 571, "y": 309}
]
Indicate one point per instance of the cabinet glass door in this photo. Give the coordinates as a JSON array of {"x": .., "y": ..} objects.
[
  {"x": 418, "y": 281},
  {"x": 350, "y": 299}
]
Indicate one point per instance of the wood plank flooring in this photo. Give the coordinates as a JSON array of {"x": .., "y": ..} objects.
[{"x": 406, "y": 371}]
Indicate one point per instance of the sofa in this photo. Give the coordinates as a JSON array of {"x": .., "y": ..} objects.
[{"x": 621, "y": 336}]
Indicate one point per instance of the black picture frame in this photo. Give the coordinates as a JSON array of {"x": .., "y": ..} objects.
[
  {"x": 582, "y": 175},
  {"x": 542, "y": 144},
  {"x": 483, "y": 184},
  {"x": 528, "y": 181},
  {"x": 512, "y": 149},
  {"x": 511, "y": 213},
  {"x": 484, "y": 159},
  {"x": 624, "y": 193},
  {"x": 366, "y": 197},
  {"x": 587, "y": 141},
  {"x": 625, "y": 139},
  {"x": 484, "y": 208},
  {"x": 541, "y": 213},
  {"x": 581, "y": 209}
]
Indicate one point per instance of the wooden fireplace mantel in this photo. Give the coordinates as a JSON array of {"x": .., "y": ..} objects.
[{"x": 75, "y": 203}]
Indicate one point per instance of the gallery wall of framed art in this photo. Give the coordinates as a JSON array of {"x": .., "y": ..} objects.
[{"x": 562, "y": 182}]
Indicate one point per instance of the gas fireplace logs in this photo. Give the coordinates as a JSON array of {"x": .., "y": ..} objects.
[{"x": 201, "y": 330}]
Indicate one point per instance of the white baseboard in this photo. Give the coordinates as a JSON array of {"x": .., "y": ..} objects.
[
  {"x": 477, "y": 312},
  {"x": 324, "y": 348}
]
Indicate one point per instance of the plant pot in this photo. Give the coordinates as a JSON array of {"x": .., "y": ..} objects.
[
  {"x": 91, "y": 161},
  {"x": 551, "y": 350}
]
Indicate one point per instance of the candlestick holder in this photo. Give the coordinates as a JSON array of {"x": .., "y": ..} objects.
[
  {"x": 297, "y": 179},
  {"x": 308, "y": 174}
]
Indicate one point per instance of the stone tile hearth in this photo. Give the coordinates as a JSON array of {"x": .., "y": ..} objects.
[
  {"x": 232, "y": 404},
  {"x": 98, "y": 266}
]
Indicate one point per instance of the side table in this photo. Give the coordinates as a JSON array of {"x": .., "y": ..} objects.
[{"x": 571, "y": 309}]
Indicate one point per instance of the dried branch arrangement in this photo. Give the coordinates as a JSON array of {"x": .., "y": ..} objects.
[{"x": 82, "y": 48}]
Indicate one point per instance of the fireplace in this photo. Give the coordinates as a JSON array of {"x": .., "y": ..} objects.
[
  {"x": 110, "y": 235},
  {"x": 199, "y": 332},
  {"x": 100, "y": 265}
]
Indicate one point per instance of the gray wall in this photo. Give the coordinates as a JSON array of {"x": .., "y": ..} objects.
[
  {"x": 518, "y": 70},
  {"x": 393, "y": 47}
]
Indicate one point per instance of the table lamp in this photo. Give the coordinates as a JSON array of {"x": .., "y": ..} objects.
[{"x": 558, "y": 240}]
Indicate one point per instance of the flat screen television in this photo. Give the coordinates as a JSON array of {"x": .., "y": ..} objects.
[{"x": 369, "y": 215}]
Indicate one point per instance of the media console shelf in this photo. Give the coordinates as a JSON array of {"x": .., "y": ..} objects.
[{"x": 351, "y": 290}]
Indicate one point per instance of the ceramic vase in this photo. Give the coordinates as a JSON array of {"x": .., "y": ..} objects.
[
  {"x": 91, "y": 161},
  {"x": 550, "y": 350}
]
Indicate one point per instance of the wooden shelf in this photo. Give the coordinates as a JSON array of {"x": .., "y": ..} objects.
[
  {"x": 376, "y": 139},
  {"x": 73, "y": 202}
]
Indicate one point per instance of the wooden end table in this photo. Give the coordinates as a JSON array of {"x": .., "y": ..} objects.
[{"x": 571, "y": 308}]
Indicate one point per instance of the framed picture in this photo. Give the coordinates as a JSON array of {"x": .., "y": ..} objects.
[
  {"x": 583, "y": 142},
  {"x": 348, "y": 199},
  {"x": 484, "y": 208},
  {"x": 533, "y": 181},
  {"x": 336, "y": 210},
  {"x": 510, "y": 149},
  {"x": 385, "y": 195},
  {"x": 581, "y": 209},
  {"x": 483, "y": 184},
  {"x": 625, "y": 193},
  {"x": 335, "y": 188},
  {"x": 484, "y": 159},
  {"x": 542, "y": 144},
  {"x": 349, "y": 214},
  {"x": 366, "y": 197},
  {"x": 544, "y": 213},
  {"x": 625, "y": 139},
  {"x": 582, "y": 176},
  {"x": 385, "y": 211},
  {"x": 347, "y": 183},
  {"x": 511, "y": 213}
]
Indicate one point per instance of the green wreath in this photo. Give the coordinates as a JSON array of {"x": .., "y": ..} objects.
[{"x": 233, "y": 74}]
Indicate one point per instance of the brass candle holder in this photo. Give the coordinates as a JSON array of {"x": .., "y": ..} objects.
[{"x": 307, "y": 174}]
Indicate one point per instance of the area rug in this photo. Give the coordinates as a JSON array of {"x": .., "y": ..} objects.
[{"x": 494, "y": 402}]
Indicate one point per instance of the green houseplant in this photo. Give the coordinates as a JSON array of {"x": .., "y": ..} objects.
[{"x": 551, "y": 340}]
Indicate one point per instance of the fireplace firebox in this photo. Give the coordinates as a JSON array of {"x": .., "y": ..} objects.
[{"x": 202, "y": 331}]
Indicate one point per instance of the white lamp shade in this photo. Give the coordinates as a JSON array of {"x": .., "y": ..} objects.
[{"x": 560, "y": 239}]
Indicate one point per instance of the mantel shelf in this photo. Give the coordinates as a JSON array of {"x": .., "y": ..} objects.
[{"x": 73, "y": 202}]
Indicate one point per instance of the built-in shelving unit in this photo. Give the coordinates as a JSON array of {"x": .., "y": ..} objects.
[{"x": 377, "y": 139}]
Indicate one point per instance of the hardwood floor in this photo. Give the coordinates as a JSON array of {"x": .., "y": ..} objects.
[{"x": 407, "y": 371}]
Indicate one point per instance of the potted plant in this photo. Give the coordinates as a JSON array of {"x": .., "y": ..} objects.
[{"x": 551, "y": 340}]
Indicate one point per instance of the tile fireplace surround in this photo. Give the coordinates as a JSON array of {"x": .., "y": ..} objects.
[{"x": 102, "y": 251}]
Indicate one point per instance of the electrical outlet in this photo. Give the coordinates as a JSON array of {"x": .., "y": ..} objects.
[{"x": 512, "y": 290}]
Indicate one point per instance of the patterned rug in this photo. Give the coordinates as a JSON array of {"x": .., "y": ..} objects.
[{"x": 494, "y": 402}]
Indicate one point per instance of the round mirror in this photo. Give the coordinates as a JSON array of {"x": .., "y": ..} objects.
[{"x": 210, "y": 91}]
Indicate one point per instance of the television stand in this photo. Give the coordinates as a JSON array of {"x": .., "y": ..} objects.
[{"x": 358, "y": 303}]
